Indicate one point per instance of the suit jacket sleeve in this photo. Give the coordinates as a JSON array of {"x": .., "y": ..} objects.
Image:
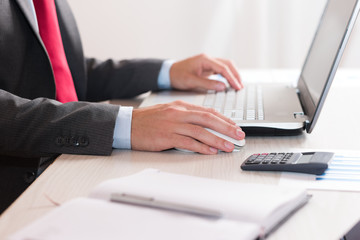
[
  {"x": 44, "y": 127},
  {"x": 121, "y": 79}
]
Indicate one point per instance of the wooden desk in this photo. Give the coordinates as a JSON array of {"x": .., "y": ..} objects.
[{"x": 328, "y": 215}]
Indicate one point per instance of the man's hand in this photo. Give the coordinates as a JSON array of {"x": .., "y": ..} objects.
[
  {"x": 193, "y": 73},
  {"x": 181, "y": 125}
]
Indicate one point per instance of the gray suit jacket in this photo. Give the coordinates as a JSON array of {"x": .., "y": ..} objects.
[{"x": 32, "y": 124}]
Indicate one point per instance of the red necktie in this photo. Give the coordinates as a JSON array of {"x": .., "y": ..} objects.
[{"x": 50, "y": 34}]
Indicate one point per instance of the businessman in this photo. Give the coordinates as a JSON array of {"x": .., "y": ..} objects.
[{"x": 48, "y": 89}]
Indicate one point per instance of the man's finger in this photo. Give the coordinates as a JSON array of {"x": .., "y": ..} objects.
[
  {"x": 198, "y": 108},
  {"x": 232, "y": 69},
  {"x": 185, "y": 142},
  {"x": 208, "y": 120},
  {"x": 208, "y": 84},
  {"x": 205, "y": 137},
  {"x": 223, "y": 69}
]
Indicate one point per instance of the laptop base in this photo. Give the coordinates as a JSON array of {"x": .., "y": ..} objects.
[{"x": 263, "y": 131}]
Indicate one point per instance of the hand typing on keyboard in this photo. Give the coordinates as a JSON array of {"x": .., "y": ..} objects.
[{"x": 193, "y": 73}]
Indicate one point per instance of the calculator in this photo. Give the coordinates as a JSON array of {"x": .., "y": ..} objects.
[{"x": 302, "y": 162}]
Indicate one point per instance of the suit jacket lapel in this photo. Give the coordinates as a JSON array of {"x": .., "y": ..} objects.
[{"x": 26, "y": 8}]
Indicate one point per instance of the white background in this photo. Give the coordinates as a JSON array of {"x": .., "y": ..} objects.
[{"x": 253, "y": 33}]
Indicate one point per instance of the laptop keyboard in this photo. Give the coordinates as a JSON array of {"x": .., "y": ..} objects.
[{"x": 246, "y": 104}]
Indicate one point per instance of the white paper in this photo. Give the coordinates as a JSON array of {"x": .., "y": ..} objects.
[
  {"x": 249, "y": 210},
  {"x": 92, "y": 219},
  {"x": 257, "y": 203},
  {"x": 343, "y": 173}
]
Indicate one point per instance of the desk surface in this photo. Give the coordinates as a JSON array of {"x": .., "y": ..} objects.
[{"x": 328, "y": 215}]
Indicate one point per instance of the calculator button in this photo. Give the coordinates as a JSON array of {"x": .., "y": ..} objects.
[
  {"x": 252, "y": 158},
  {"x": 265, "y": 162},
  {"x": 249, "y": 163}
]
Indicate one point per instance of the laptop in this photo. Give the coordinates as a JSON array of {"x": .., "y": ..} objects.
[{"x": 277, "y": 109}]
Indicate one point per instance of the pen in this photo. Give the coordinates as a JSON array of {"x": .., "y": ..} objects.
[{"x": 154, "y": 203}]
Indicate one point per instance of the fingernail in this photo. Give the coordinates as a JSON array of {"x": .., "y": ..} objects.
[
  {"x": 240, "y": 133},
  {"x": 229, "y": 146},
  {"x": 213, "y": 150},
  {"x": 219, "y": 87}
]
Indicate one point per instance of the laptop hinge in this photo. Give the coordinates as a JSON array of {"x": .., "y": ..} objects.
[{"x": 307, "y": 123}]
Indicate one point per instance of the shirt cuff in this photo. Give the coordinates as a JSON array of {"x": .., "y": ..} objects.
[
  {"x": 164, "y": 75},
  {"x": 122, "y": 130}
]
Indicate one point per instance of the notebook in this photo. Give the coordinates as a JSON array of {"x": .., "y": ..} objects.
[
  {"x": 247, "y": 211},
  {"x": 280, "y": 109}
]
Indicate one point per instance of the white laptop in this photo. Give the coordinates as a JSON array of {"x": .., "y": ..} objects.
[{"x": 277, "y": 109}]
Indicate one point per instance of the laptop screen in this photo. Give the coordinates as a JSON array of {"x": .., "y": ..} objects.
[{"x": 324, "y": 55}]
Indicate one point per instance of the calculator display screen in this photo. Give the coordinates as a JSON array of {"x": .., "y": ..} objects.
[{"x": 305, "y": 158}]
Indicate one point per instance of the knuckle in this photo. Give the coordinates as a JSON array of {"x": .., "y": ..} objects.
[
  {"x": 203, "y": 148},
  {"x": 229, "y": 62},
  {"x": 171, "y": 110},
  {"x": 196, "y": 132},
  {"x": 203, "y": 55},
  {"x": 179, "y": 102},
  {"x": 227, "y": 68},
  {"x": 219, "y": 142},
  {"x": 226, "y": 61},
  {"x": 223, "y": 68},
  {"x": 170, "y": 107},
  {"x": 232, "y": 62},
  {"x": 211, "y": 110},
  {"x": 166, "y": 105},
  {"x": 229, "y": 128},
  {"x": 206, "y": 116},
  {"x": 186, "y": 142}
]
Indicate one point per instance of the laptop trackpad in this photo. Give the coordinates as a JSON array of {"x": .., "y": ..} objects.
[{"x": 280, "y": 101}]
